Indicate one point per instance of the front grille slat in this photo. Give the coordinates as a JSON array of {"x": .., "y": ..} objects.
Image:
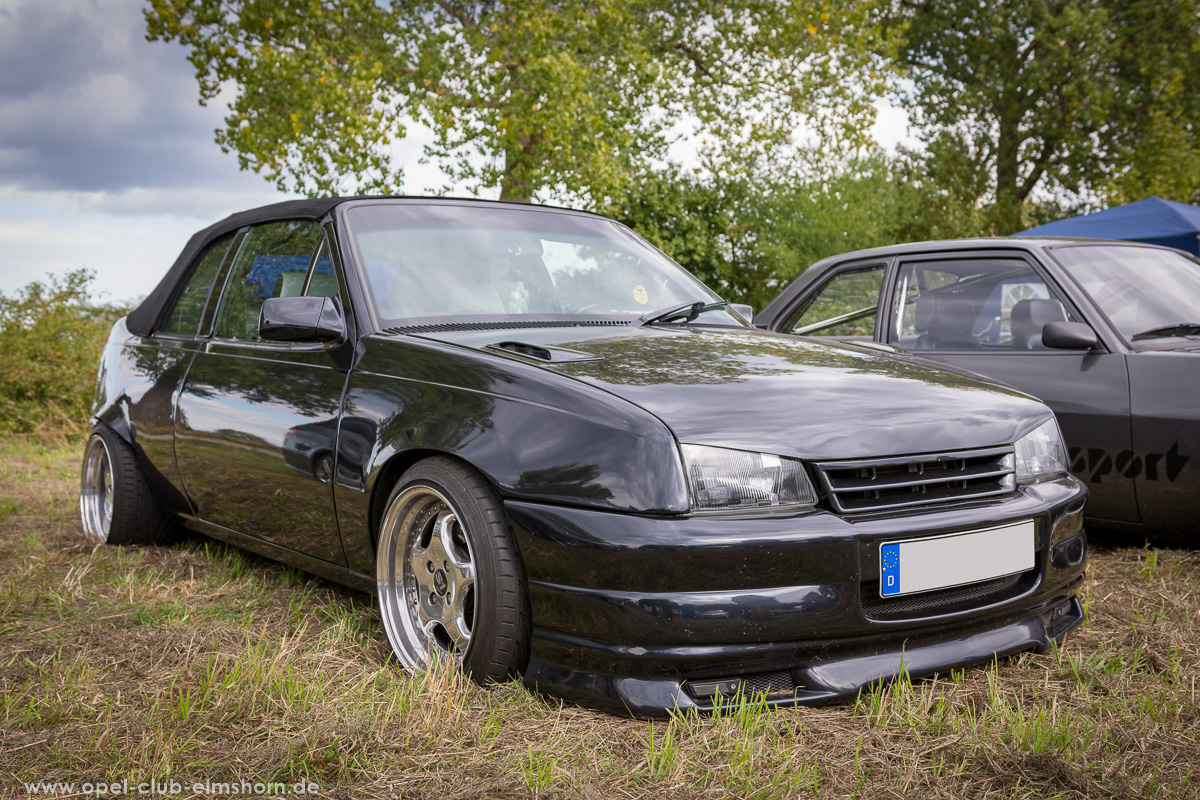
[
  {"x": 900, "y": 481},
  {"x": 878, "y": 484},
  {"x": 947, "y": 495}
]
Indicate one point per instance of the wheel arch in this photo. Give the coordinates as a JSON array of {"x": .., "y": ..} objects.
[
  {"x": 115, "y": 417},
  {"x": 390, "y": 473}
]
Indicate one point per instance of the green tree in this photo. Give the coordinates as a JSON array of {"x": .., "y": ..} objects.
[
  {"x": 1159, "y": 61},
  {"x": 747, "y": 232},
  {"x": 1023, "y": 91},
  {"x": 568, "y": 97},
  {"x": 1053, "y": 103},
  {"x": 947, "y": 190},
  {"x": 53, "y": 333}
]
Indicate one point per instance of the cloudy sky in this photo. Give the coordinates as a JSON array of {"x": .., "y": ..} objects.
[{"x": 107, "y": 160}]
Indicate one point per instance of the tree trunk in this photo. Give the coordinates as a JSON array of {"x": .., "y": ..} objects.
[
  {"x": 1007, "y": 215},
  {"x": 519, "y": 166}
]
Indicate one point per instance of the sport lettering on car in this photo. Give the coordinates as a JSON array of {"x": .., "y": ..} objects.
[{"x": 1095, "y": 463}]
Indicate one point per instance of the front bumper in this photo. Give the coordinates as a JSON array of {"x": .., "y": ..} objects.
[{"x": 642, "y": 615}]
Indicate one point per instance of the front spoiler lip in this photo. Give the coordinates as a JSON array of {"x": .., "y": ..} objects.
[{"x": 838, "y": 674}]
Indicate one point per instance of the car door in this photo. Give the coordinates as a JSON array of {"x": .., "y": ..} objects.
[
  {"x": 161, "y": 363},
  {"x": 256, "y": 421},
  {"x": 984, "y": 312}
]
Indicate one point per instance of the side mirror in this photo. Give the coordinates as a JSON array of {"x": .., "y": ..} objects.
[
  {"x": 1069, "y": 336},
  {"x": 747, "y": 312},
  {"x": 301, "y": 319}
]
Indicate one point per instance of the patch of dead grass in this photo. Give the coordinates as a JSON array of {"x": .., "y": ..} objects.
[{"x": 200, "y": 661}]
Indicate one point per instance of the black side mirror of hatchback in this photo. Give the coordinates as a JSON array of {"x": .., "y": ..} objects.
[
  {"x": 1069, "y": 336},
  {"x": 301, "y": 319}
]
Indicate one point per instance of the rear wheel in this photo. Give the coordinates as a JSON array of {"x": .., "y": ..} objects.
[
  {"x": 450, "y": 581},
  {"x": 116, "y": 503}
]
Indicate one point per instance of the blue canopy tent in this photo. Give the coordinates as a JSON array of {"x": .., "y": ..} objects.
[{"x": 1153, "y": 220}]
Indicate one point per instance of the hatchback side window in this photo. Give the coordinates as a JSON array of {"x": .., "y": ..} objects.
[
  {"x": 273, "y": 262},
  {"x": 993, "y": 304},
  {"x": 845, "y": 307},
  {"x": 324, "y": 282},
  {"x": 184, "y": 319}
]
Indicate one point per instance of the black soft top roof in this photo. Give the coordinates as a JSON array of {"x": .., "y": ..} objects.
[{"x": 144, "y": 319}]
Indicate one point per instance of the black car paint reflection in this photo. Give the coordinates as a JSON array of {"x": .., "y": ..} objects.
[{"x": 292, "y": 449}]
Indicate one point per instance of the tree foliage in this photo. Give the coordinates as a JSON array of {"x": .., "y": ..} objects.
[
  {"x": 1159, "y": 60},
  {"x": 750, "y": 231},
  {"x": 1021, "y": 91},
  {"x": 53, "y": 334},
  {"x": 1051, "y": 97},
  {"x": 569, "y": 97}
]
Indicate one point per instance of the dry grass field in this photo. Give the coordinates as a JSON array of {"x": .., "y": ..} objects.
[{"x": 200, "y": 662}]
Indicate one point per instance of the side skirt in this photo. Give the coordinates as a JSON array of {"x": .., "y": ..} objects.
[{"x": 324, "y": 569}]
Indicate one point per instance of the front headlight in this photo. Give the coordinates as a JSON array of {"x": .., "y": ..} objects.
[
  {"x": 731, "y": 480},
  {"x": 1041, "y": 454}
]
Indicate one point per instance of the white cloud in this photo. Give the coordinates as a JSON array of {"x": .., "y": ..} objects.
[{"x": 44, "y": 235}]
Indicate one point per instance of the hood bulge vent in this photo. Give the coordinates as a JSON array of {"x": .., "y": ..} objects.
[{"x": 538, "y": 352}]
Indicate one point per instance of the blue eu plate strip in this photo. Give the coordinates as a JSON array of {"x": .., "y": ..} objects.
[{"x": 889, "y": 569}]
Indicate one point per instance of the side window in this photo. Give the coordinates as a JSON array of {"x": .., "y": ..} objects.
[
  {"x": 979, "y": 304},
  {"x": 324, "y": 282},
  {"x": 273, "y": 262},
  {"x": 184, "y": 319},
  {"x": 845, "y": 307}
]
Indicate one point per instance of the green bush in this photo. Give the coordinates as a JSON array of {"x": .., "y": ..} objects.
[{"x": 51, "y": 335}]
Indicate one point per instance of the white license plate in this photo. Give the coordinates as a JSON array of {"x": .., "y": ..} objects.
[{"x": 939, "y": 562}]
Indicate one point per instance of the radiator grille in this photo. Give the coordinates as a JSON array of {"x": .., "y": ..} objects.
[{"x": 878, "y": 484}]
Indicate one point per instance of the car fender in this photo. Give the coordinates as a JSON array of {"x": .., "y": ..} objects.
[
  {"x": 110, "y": 403},
  {"x": 549, "y": 438}
]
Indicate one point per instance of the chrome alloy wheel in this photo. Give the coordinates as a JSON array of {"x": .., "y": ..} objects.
[
  {"x": 96, "y": 489},
  {"x": 426, "y": 573}
]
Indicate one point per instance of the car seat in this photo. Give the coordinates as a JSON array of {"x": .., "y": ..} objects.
[{"x": 944, "y": 321}]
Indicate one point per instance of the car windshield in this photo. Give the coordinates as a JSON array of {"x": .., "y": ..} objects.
[
  {"x": 1139, "y": 288},
  {"x": 429, "y": 264}
]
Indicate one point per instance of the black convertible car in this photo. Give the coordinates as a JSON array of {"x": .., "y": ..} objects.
[
  {"x": 1107, "y": 333},
  {"x": 553, "y": 453}
]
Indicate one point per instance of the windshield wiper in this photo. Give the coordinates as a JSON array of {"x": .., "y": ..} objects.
[
  {"x": 685, "y": 312},
  {"x": 1176, "y": 329}
]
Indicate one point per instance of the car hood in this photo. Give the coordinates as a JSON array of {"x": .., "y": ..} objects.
[{"x": 767, "y": 392}]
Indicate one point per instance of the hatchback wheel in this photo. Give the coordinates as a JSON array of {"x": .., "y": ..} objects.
[
  {"x": 450, "y": 581},
  {"x": 116, "y": 504}
]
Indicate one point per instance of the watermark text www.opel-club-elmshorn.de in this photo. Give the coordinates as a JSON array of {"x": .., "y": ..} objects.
[{"x": 170, "y": 786}]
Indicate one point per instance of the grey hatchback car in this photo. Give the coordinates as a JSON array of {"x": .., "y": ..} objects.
[{"x": 1106, "y": 333}]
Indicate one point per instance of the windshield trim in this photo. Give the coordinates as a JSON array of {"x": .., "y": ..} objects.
[{"x": 346, "y": 231}]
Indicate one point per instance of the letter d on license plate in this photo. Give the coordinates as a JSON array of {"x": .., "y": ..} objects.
[{"x": 940, "y": 562}]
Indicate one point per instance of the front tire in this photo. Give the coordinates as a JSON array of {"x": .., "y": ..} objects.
[
  {"x": 116, "y": 503},
  {"x": 451, "y": 583}
]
